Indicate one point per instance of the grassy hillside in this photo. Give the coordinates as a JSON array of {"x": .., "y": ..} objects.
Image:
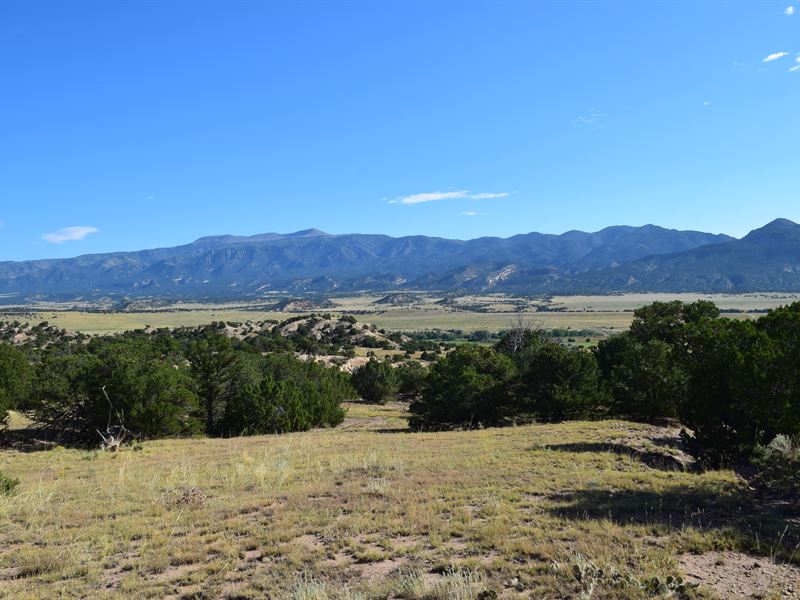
[{"x": 370, "y": 511}]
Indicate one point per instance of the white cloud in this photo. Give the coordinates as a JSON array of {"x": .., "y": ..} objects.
[
  {"x": 470, "y": 213},
  {"x": 789, "y": 11},
  {"x": 429, "y": 197},
  {"x": 593, "y": 118},
  {"x": 794, "y": 68},
  {"x": 707, "y": 103},
  {"x": 433, "y": 196},
  {"x": 488, "y": 195},
  {"x": 69, "y": 234},
  {"x": 774, "y": 56}
]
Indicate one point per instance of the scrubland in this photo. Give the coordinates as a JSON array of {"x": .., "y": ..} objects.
[
  {"x": 492, "y": 312},
  {"x": 368, "y": 510}
]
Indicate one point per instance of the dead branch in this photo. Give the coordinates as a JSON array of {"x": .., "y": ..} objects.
[{"x": 115, "y": 435}]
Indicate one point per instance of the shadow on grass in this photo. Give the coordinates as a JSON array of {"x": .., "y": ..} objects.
[
  {"x": 760, "y": 527},
  {"x": 28, "y": 439},
  {"x": 397, "y": 429},
  {"x": 656, "y": 460}
]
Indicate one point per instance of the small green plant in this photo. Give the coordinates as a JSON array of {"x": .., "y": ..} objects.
[
  {"x": 308, "y": 588},
  {"x": 411, "y": 585},
  {"x": 670, "y": 586},
  {"x": 7, "y": 484},
  {"x": 779, "y": 465},
  {"x": 459, "y": 584},
  {"x": 591, "y": 577}
]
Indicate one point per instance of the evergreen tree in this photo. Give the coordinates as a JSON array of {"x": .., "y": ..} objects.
[
  {"x": 467, "y": 388},
  {"x": 15, "y": 379},
  {"x": 376, "y": 381},
  {"x": 211, "y": 358}
]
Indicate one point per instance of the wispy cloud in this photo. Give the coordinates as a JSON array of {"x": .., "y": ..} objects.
[
  {"x": 794, "y": 68},
  {"x": 488, "y": 195},
  {"x": 457, "y": 195},
  {"x": 707, "y": 103},
  {"x": 69, "y": 234},
  {"x": 429, "y": 197},
  {"x": 472, "y": 213},
  {"x": 593, "y": 118},
  {"x": 789, "y": 11},
  {"x": 774, "y": 56}
]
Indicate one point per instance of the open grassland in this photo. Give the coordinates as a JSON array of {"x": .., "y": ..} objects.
[
  {"x": 369, "y": 511},
  {"x": 117, "y": 322},
  {"x": 622, "y": 302},
  {"x": 469, "y": 313},
  {"x": 408, "y": 319},
  {"x": 398, "y": 319}
]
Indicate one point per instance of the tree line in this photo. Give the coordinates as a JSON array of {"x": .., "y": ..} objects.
[
  {"x": 735, "y": 383},
  {"x": 170, "y": 383}
]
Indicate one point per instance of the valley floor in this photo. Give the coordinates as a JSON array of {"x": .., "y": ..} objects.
[
  {"x": 368, "y": 510},
  {"x": 493, "y": 312}
]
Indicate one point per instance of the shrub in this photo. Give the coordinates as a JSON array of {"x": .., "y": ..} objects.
[
  {"x": 410, "y": 379},
  {"x": 15, "y": 379},
  {"x": 375, "y": 381},
  {"x": 732, "y": 402},
  {"x": 735, "y": 383},
  {"x": 211, "y": 358},
  {"x": 779, "y": 465},
  {"x": 279, "y": 394},
  {"x": 151, "y": 394},
  {"x": 645, "y": 380},
  {"x": 7, "y": 484},
  {"x": 671, "y": 322},
  {"x": 557, "y": 383},
  {"x": 467, "y": 388}
]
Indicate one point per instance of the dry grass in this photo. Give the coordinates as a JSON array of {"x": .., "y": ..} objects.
[
  {"x": 351, "y": 514},
  {"x": 620, "y": 302},
  {"x": 582, "y": 312},
  {"x": 394, "y": 319}
]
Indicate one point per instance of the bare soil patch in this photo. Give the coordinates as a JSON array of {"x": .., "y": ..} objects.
[{"x": 737, "y": 575}]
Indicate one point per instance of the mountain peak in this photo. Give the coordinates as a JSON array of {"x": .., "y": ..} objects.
[
  {"x": 782, "y": 224},
  {"x": 778, "y": 227},
  {"x": 259, "y": 237},
  {"x": 307, "y": 233}
]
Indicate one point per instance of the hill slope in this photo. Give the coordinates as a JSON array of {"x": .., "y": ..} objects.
[{"x": 385, "y": 515}]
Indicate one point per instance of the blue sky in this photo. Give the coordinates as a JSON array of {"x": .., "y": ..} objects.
[{"x": 128, "y": 125}]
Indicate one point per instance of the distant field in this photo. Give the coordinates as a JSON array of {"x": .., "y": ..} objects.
[
  {"x": 393, "y": 319},
  {"x": 470, "y": 313},
  {"x": 123, "y": 321},
  {"x": 471, "y": 321},
  {"x": 755, "y": 301}
]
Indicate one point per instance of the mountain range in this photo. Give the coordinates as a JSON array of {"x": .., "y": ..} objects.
[{"x": 618, "y": 258}]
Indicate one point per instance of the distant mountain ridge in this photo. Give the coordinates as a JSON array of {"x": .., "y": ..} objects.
[
  {"x": 766, "y": 259},
  {"x": 618, "y": 258}
]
